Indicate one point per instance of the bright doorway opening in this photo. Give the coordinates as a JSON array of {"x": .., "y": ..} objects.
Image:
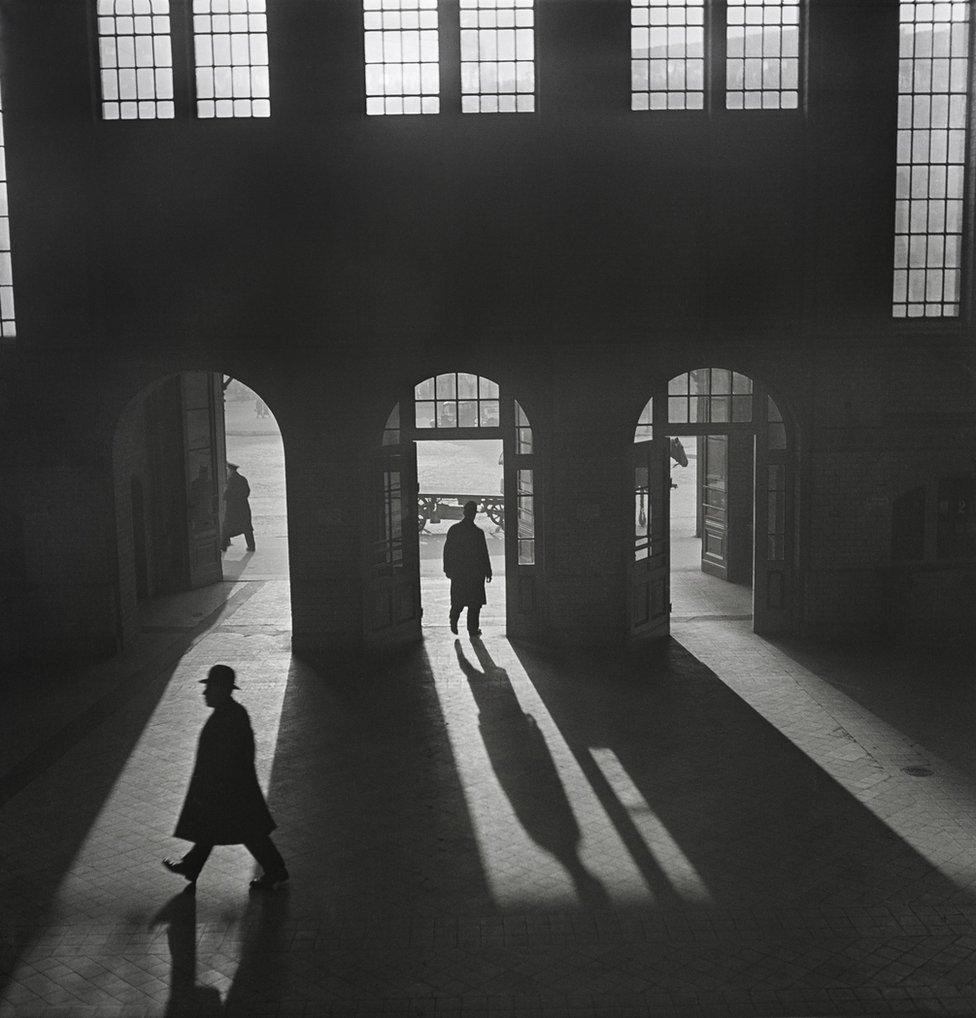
[
  {"x": 253, "y": 442},
  {"x": 711, "y": 509},
  {"x": 450, "y": 473}
]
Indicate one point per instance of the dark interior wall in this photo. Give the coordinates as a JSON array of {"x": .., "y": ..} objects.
[
  {"x": 323, "y": 228},
  {"x": 577, "y": 255}
]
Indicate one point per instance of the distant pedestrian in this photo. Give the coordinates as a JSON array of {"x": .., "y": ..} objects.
[
  {"x": 468, "y": 566},
  {"x": 224, "y": 804},
  {"x": 237, "y": 509}
]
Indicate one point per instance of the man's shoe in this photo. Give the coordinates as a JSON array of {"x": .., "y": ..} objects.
[
  {"x": 180, "y": 867},
  {"x": 269, "y": 881},
  {"x": 454, "y": 628},
  {"x": 474, "y": 632}
]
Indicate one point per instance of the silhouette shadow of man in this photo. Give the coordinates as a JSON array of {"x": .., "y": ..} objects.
[
  {"x": 526, "y": 771},
  {"x": 179, "y": 915}
]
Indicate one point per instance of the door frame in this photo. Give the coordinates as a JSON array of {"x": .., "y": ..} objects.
[
  {"x": 775, "y": 477},
  {"x": 523, "y": 597}
]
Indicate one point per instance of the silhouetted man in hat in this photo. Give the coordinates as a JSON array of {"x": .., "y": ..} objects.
[
  {"x": 237, "y": 509},
  {"x": 224, "y": 804},
  {"x": 468, "y": 566}
]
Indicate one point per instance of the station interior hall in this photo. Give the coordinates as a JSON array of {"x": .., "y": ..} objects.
[{"x": 678, "y": 298}]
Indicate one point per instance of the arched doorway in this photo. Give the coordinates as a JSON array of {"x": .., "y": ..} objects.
[
  {"x": 453, "y": 406},
  {"x": 171, "y": 446},
  {"x": 744, "y": 495}
]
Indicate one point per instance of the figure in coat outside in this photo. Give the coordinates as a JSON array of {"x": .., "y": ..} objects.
[
  {"x": 237, "y": 509},
  {"x": 468, "y": 566},
  {"x": 224, "y": 804}
]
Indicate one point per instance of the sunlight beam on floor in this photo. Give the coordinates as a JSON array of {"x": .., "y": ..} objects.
[
  {"x": 544, "y": 838},
  {"x": 859, "y": 750},
  {"x": 115, "y": 879},
  {"x": 674, "y": 864}
]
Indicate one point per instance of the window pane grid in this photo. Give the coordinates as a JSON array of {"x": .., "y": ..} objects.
[
  {"x": 135, "y": 59},
  {"x": 931, "y": 152},
  {"x": 667, "y": 54},
  {"x": 762, "y": 70},
  {"x": 457, "y": 400},
  {"x": 523, "y": 432},
  {"x": 230, "y": 41},
  {"x": 497, "y": 56},
  {"x": 8, "y": 326},
  {"x": 710, "y": 395},
  {"x": 402, "y": 59},
  {"x": 644, "y": 431}
]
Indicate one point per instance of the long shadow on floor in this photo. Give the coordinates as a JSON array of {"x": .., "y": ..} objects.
[
  {"x": 761, "y": 823},
  {"x": 365, "y": 788},
  {"x": 523, "y": 765},
  {"x": 387, "y": 882},
  {"x": 40, "y": 843}
]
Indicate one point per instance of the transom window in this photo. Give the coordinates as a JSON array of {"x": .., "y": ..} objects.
[
  {"x": 762, "y": 55},
  {"x": 667, "y": 54},
  {"x": 932, "y": 125},
  {"x": 135, "y": 59},
  {"x": 710, "y": 396},
  {"x": 8, "y": 325},
  {"x": 402, "y": 58},
  {"x": 457, "y": 400},
  {"x": 497, "y": 56},
  {"x": 231, "y": 47}
]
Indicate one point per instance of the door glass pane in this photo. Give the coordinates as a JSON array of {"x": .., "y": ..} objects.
[
  {"x": 526, "y": 518},
  {"x": 642, "y": 513}
]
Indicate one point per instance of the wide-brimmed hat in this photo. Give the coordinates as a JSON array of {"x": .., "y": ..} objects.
[{"x": 221, "y": 675}]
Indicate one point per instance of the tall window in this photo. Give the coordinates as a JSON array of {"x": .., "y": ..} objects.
[
  {"x": 667, "y": 54},
  {"x": 230, "y": 41},
  {"x": 932, "y": 124},
  {"x": 497, "y": 56},
  {"x": 135, "y": 59},
  {"x": 402, "y": 61},
  {"x": 762, "y": 55},
  {"x": 8, "y": 326}
]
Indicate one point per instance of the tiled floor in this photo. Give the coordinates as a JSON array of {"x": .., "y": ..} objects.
[{"x": 487, "y": 829}]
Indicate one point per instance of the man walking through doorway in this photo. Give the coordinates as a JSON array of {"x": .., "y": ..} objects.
[
  {"x": 468, "y": 566},
  {"x": 224, "y": 804},
  {"x": 237, "y": 509}
]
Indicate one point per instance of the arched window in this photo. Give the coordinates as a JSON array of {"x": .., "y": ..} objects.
[{"x": 456, "y": 400}]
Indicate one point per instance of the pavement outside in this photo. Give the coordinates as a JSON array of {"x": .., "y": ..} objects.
[{"x": 735, "y": 828}]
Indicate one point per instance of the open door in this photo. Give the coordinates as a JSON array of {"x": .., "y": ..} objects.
[
  {"x": 772, "y": 571},
  {"x": 714, "y": 458},
  {"x": 726, "y": 480},
  {"x": 202, "y": 399},
  {"x": 392, "y": 583},
  {"x": 650, "y": 608},
  {"x": 522, "y": 508}
]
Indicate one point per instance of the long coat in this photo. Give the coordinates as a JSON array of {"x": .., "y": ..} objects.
[
  {"x": 237, "y": 512},
  {"x": 467, "y": 564},
  {"x": 224, "y": 804}
]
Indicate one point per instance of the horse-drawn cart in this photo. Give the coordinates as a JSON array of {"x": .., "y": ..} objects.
[{"x": 434, "y": 507}]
